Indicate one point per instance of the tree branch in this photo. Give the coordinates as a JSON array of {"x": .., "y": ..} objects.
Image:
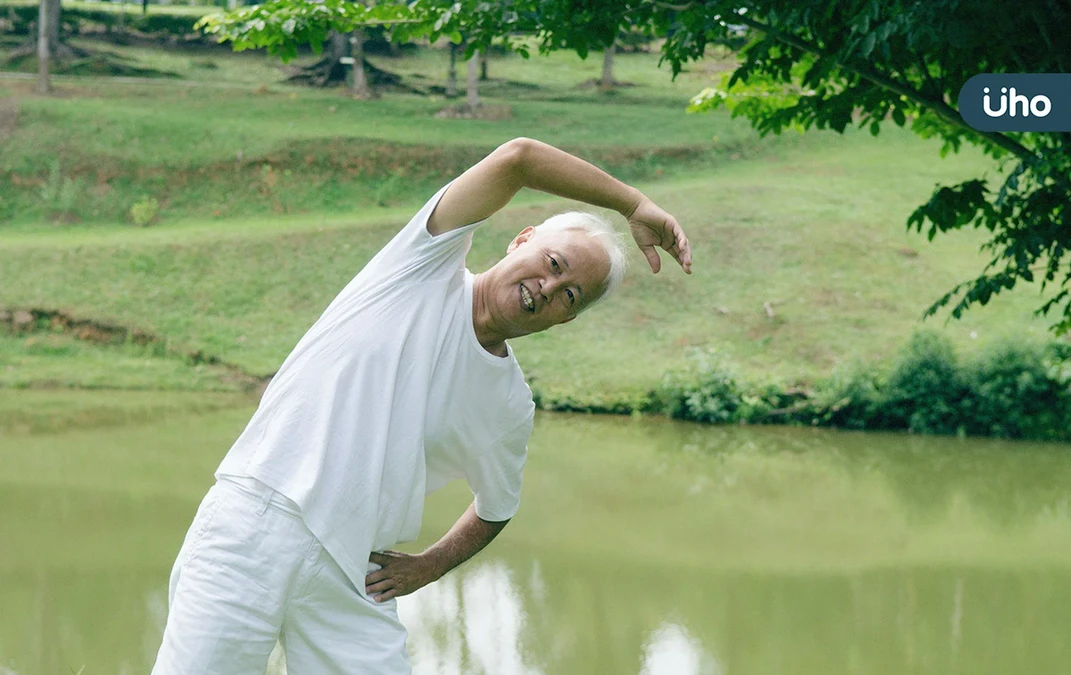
[{"x": 937, "y": 105}]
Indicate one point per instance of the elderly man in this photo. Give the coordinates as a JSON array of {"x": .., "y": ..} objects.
[{"x": 405, "y": 382}]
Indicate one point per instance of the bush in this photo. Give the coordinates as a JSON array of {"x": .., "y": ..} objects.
[
  {"x": 60, "y": 194},
  {"x": 1011, "y": 390},
  {"x": 710, "y": 392},
  {"x": 144, "y": 211},
  {"x": 851, "y": 398},
  {"x": 1019, "y": 391},
  {"x": 925, "y": 390}
]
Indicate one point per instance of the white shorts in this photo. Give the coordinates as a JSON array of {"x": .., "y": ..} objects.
[{"x": 250, "y": 574}]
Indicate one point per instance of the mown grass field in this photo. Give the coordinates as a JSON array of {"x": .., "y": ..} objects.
[{"x": 270, "y": 198}]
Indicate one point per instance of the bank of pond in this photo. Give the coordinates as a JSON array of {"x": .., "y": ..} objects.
[{"x": 1008, "y": 390}]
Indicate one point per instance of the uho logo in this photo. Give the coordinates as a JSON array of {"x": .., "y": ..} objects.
[
  {"x": 1017, "y": 102},
  {"x": 1039, "y": 105}
]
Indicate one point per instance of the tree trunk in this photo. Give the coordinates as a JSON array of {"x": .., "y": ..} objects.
[
  {"x": 53, "y": 27},
  {"x": 451, "y": 73},
  {"x": 44, "y": 84},
  {"x": 336, "y": 49},
  {"x": 483, "y": 65},
  {"x": 359, "y": 83},
  {"x": 607, "y": 81},
  {"x": 472, "y": 90}
]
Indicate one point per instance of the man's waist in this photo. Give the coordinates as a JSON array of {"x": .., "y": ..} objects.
[{"x": 255, "y": 488}]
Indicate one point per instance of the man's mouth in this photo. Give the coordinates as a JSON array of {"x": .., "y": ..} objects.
[{"x": 526, "y": 299}]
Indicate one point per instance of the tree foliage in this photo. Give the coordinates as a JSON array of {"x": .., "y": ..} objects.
[
  {"x": 834, "y": 64},
  {"x": 282, "y": 26}
]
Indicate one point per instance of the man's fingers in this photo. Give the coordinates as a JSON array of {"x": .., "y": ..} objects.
[
  {"x": 378, "y": 575},
  {"x": 651, "y": 254},
  {"x": 678, "y": 245},
  {"x": 381, "y": 559},
  {"x": 683, "y": 252},
  {"x": 383, "y": 597},
  {"x": 384, "y": 585}
]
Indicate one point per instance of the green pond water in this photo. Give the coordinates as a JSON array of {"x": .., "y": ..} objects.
[{"x": 643, "y": 547}]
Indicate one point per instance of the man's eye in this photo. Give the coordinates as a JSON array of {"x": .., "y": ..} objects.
[
  {"x": 570, "y": 294},
  {"x": 554, "y": 263}
]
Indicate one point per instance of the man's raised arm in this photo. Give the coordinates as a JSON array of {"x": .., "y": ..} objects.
[{"x": 489, "y": 185}]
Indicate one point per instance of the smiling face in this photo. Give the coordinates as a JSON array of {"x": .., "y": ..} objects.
[{"x": 545, "y": 279}]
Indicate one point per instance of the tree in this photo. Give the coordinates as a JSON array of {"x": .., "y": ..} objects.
[
  {"x": 828, "y": 63},
  {"x": 606, "y": 82},
  {"x": 44, "y": 44},
  {"x": 44, "y": 53},
  {"x": 451, "y": 71},
  {"x": 282, "y": 26},
  {"x": 834, "y": 63},
  {"x": 359, "y": 84},
  {"x": 472, "y": 88}
]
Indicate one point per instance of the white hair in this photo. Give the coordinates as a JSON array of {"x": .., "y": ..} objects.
[{"x": 600, "y": 229}]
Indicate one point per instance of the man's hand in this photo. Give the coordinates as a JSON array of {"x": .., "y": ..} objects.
[
  {"x": 399, "y": 574},
  {"x": 651, "y": 227}
]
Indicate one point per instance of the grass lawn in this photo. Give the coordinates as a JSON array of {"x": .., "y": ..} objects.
[{"x": 271, "y": 198}]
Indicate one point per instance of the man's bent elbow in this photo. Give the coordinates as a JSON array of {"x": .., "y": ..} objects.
[{"x": 515, "y": 153}]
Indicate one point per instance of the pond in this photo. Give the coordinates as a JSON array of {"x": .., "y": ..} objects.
[{"x": 643, "y": 546}]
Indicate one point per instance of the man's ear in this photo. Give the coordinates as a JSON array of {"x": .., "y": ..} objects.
[{"x": 522, "y": 236}]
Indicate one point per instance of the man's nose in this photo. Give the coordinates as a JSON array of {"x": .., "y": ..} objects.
[{"x": 551, "y": 287}]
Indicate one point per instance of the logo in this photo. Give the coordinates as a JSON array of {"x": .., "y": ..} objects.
[
  {"x": 1017, "y": 102},
  {"x": 1040, "y": 105}
]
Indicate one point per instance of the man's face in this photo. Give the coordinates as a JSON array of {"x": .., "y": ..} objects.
[{"x": 546, "y": 278}]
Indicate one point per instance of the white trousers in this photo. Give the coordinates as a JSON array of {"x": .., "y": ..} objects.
[{"x": 249, "y": 574}]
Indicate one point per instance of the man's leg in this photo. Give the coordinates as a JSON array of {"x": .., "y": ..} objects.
[
  {"x": 331, "y": 629},
  {"x": 229, "y": 585}
]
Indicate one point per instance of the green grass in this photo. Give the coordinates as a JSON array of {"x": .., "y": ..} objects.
[
  {"x": 245, "y": 255},
  {"x": 202, "y": 151},
  {"x": 44, "y": 360},
  {"x": 817, "y": 230}
]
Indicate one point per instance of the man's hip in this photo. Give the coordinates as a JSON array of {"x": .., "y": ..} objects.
[{"x": 249, "y": 574}]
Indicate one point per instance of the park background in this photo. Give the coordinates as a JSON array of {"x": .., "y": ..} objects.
[{"x": 174, "y": 215}]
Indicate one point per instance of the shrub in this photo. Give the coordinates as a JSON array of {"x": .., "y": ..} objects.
[
  {"x": 708, "y": 392},
  {"x": 851, "y": 398},
  {"x": 925, "y": 390},
  {"x": 1011, "y": 390},
  {"x": 1017, "y": 391},
  {"x": 144, "y": 211},
  {"x": 59, "y": 194}
]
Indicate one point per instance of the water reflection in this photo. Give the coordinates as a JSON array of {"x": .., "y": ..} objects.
[
  {"x": 1008, "y": 480},
  {"x": 645, "y": 547},
  {"x": 489, "y": 618},
  {"x": 468, "y": 623},
  {"x": 672, "y": 651}
]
